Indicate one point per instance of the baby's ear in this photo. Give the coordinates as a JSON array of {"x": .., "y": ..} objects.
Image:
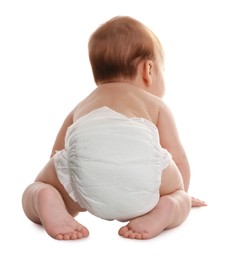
[{"x": 148, "y": 69}]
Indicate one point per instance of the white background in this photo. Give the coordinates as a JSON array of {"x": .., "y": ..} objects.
[{"x": 44, "y": 72}]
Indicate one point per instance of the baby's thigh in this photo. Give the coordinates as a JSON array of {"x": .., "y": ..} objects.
[{"x": 171, "y": 180}]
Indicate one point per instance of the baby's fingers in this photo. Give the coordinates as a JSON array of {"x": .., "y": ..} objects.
[{"x": 198, "y": 203}]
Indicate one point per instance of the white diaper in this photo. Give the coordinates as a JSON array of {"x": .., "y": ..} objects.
[{"x": 112, "y": 164}]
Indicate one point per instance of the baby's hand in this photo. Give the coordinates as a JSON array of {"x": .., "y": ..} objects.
[{"x": 197, "y": 202}]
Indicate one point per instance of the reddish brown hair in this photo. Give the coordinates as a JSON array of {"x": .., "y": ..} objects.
[{"x": 117, "y": 47}]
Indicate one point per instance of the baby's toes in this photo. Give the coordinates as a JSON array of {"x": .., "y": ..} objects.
[{"x": 123, "y": 230}]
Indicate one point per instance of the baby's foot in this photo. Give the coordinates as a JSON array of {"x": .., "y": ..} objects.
[
  {"x": 71, "y": 230},
  {"x": 150, "y": 224},
  {"x": 58, "y": 223},
  {"x": 138, "y": 228}
]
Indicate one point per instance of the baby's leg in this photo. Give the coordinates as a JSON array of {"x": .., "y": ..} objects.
[
  {"x": 171, "y": 210},
  {"x": 43, "y": 204}
]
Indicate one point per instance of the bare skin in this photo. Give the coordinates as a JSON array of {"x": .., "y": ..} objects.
[
  {"x": 160, "y": 218},
  {"x": 150, "y": 224},
  {"x": 58, "y": 222},
  {"x": 43, "y": 204}
]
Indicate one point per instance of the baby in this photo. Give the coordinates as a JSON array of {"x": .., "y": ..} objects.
[{"x": 118, "y": 154}]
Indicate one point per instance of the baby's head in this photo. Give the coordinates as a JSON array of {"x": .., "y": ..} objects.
[{"x": 118, "y": 46}]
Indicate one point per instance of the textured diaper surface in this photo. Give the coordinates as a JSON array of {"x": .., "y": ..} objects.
[{"x": 112, "y": 164}]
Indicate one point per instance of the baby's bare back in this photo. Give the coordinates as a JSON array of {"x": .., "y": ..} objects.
[{"x": 124, "y": 98}]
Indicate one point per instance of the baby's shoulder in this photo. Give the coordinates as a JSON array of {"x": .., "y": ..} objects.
[
  {"x": 155, "y": 107},
  {"x": 154, "y": 102}
]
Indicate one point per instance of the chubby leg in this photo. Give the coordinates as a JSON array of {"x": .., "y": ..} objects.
[
  {"x": 46, "y": 202},
  {"x": 171, "y": 210}
]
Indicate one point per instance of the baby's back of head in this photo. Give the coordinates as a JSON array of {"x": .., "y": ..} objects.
[{"x": 118, "y": 46}]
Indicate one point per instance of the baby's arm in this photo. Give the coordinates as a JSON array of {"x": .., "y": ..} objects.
[
  {"x": 170, "y": 140},
  {"x": 60, "y": 138}
]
